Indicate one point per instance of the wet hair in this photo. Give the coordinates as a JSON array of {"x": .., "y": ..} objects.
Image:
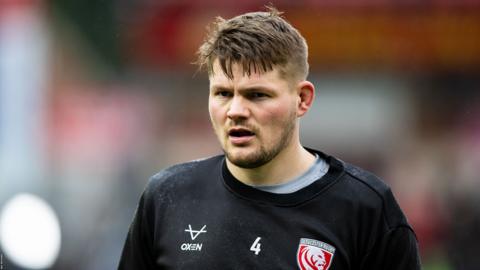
[{"x": 258, "y": 42}]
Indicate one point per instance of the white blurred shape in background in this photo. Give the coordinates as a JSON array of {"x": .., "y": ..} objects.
[
  {"x": 29, "y": 232},
  {"x": 24, "y": 49}
]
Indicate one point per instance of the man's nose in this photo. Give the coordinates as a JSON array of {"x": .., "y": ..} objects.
[{"x": 237, "y": 109}]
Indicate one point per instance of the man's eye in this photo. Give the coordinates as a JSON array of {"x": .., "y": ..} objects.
[
  {"x": 258, "y": 95},
  {"x": 224, "y": 94}
]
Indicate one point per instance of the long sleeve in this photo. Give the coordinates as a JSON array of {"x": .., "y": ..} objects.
[
  {"x": 138, "y": 249},
  {"x": 397, "y": 249}
]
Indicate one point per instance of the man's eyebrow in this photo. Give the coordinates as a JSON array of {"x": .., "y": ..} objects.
[
  {"x": 250, "y": 88},
  {"x": 217, "y": 87},
  {"x": 256, "y": 88}
]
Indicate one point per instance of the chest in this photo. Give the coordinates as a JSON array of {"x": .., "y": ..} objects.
[{"x": 222, "y": 233}]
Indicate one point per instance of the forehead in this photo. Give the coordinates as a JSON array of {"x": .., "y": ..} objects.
[{"x": 241, "y": 79}]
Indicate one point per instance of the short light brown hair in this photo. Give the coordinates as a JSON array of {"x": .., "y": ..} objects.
[{"x": 258, "y": 41}]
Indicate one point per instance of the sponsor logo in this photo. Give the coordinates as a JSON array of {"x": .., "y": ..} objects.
[
  {"x": 191, "y": 246},
  {"x": 193, "y": 235},
  {"x": 314, "y": 255}
]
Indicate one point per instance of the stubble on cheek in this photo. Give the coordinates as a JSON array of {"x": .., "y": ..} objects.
[{"x": 264, "y": 149}]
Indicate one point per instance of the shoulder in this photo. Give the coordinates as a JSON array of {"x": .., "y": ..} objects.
[
  {"x": 183, "y": 174},
  {"x": 373, "y": 183},
  {"x": 372, "y": 193}
]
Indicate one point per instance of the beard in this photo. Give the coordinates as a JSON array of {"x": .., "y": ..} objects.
[{"x": 265, "y": 154}]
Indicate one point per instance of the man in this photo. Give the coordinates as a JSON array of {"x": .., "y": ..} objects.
[{"x": 268, "y": 202}]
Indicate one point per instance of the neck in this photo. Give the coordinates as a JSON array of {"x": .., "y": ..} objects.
[{"x": 291, "y": 162}]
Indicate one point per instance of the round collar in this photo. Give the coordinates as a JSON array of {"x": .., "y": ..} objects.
[{"x": 291, "y": 199}]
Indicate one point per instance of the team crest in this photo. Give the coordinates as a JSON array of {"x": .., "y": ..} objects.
[{"x": 314, "y": 255}]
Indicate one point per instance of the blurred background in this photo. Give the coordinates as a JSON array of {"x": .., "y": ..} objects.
[{"x": 98, "y": 95}]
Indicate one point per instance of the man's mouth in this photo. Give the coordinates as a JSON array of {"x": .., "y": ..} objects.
[
  {"x": 240, "y": 136},
  {"x": 240, "y": 132}
]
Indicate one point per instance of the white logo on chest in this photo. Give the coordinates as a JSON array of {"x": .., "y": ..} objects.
[{"x": 193, "y": 234}]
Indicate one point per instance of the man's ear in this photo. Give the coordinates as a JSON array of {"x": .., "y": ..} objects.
[{"x": 306, "y": 95}]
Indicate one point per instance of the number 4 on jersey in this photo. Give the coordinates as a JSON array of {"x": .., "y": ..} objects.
[{"x": 256, "y": 246}]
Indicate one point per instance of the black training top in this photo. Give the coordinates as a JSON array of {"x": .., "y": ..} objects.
[{"x": 196, "y": 215}]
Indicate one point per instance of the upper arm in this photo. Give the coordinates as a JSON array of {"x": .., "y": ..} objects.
[
  {"x": 395, "y": 249},
  {"x": 138, "y": 248}
]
